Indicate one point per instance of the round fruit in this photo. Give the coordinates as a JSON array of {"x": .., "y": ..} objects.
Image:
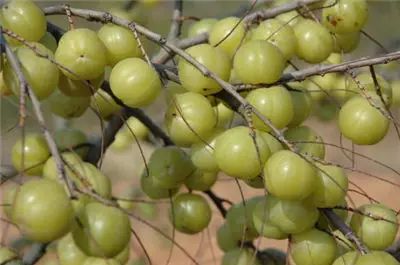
[
  {"x": 331, "y": 186},
  {"x": 240, "y": 219},
  {"x": 306, "y": 140},
  {"x": 314, "y": 42},
  {"x": 225, "y": 239},
  {"x": 100, "y": 261},
  {"x": 70, "y": 139},
  {"x": 275, "y": 103},
  {"x": 120, "y": 43},
  {"x": 29, "y": 154},
  {"x": 395, "y": 85},
  {"x": 239, "y": 155},
  {"x": 272, "y": 142},
  {"x": 201, "y": 180},
  {"x": 258, "y": 62},
  {"x": 202, "y": 154},
  {"x": 262, "y": 223},
  {"x": 215, "y": 59},
  {"x": 68, "y": 252},
  {"x": 240, "y": 256},
  {"x": 182, "y": 119},
  {"x": 67, "y": 107},
  {"x": 346, "y": 16},
  {"x": 357, "y": 116},
  {"x": 291, "y": 217},
  {"x": 123, "y": 256},
  {"x": 7, "y": 255},
  {"x": 79, "y": 88},
  {"x": 83, "y": 53},
  {"x": 24, "y": 18},
  {"x": 103, "y": 104},
  {"x": 376, "y": 257},
  {"x": 228, "y": 34},
  {"x": 313, "y": 247},
  {"x": 9, "y": 190},
  {"x": 350, "y": 257},
  {"x": 302, "y": 104},
  {"x": 224, "y": 114},
  {"x": 169, "y": 167},
  {"x": 154, "y": 190},
  {"x": 72, "y": 162},
  {"x": 103, "y": 231},
  {"x": 202, "y": 26},
  {"x": 135, "y": 128},
  {"x": 346, "y": 42},
  {"x": 279, "y": 34},
  {"x": 41, "y": 74},
  {"x": 42, "y": 210},
  {"x": 288, "y": 176},
  {"x": 290, "y": 18},
  {"x": 190, "y": 213},
  {"x": 377, "y": 226},
  {"x": 135, "y": 82}
]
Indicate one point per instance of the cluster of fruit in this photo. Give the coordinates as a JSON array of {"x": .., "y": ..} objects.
[{"x": 66, "y": 76}]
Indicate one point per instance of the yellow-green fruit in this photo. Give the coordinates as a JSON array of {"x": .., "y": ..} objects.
[
  {"x": 279, "y": 34},
  {"x": 263, "y": 224},
  {"x": 225, "y": 239},
  {"x": 214, "y": 58},
  {"x": 4, "y": 90},
  {"x": 240, "y": 256},
  {"x": 225, "y": 115},
  {"x": 302, "y": 103},
  {"x": 350, "y": 257},
  {"x": 49, "y": 42},
  {"x": 313, "y": 247},
  {"x": 9, "y": 190},
  {"x": 103, "y": 104},
  {"x": 120, "y": 43},
  {"x": 7, "y": 255},
  {"x": 227, "y": 34},
  {"x": 42, "y": 210},
  {"x": 79, "y": 88},
  {"x": 306, "y": 140},
  {"x": 41, "y": 74},
  {"x": 135, "y": 82},
  {"x": 67, "y": 107},
  {"x": 377, "y": 225},
  {"x": 275, "y": 103},
  {"x": 346, "y": 42},
  {"x": 100, "y": 261},
  {"x": 395, "y": 92},
  {"x": 68, "y": 252},
  {"x": 69, "y": 139},
  {"x": 29, "y": 154},
  {"x": 83, "y": 53},
  {"x": 137, "y": 128},
  {"x": 104, "y": 231},
  {"x": 201, "y": 180},
  {"x": 24, "y": 18},
  {"x": 202, "y": 153},
  {"x": 201, "y": 26}
]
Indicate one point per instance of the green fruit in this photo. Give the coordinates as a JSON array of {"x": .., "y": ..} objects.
[
  {"x": 202, "y": 26},
  {"x": 67, "y": 107},
  {"x": 346, "y": 42},
  {"x": 348, "y": 258},
  {"x": 239, "y": 155},
  {"x": 83, "y": 53},
  {"x": 154, "y": 190},
  {"x": 6, "y": 255},
  {"x": 302, "y": 104},
  {"x": 202, "y": 154},
  {"x": 306, "y": 140},
  {"x": 68, "y": 252},
  {"x": 135, "y": 82},
  {"x": 377, "y": 257},
  {"x": 240, "y": 256},
  {"x": 103, "y": 231},
  {"x": 100, "y": 261},
  {"x": 201, "y": 180},
  {"x": 79, "y": 88},
  {"x": 103, "y": 104},
  {"x": 70, "y": 139},
  {"x": 29, "y": 154},
  {"x": 225, "y": 239},
  {"x": 42, "y": 210},
  {"x": 272, "y": 142},
  {"x": 49, "y": 42},
  {"x": 190, "y": 213}
]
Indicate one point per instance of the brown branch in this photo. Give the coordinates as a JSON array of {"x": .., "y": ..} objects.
[
  {"x": 301, "y": 75},
  {"x": 337, "y": 222}
]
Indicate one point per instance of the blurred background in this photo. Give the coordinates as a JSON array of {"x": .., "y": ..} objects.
[{"x": 124, "y": 164}]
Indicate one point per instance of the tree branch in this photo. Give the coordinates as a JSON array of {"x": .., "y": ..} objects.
[{"x": 176, "y": 24}]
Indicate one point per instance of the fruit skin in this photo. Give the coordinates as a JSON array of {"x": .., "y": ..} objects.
[
  {"x": 25, "y": 18},
  {"x": 279, "y": 34},
  {"x": 331, "y": 186},
  {"x": 314, "y": 42},
  {"x": 376, "y": 234},
  {"x": 82, "y": 52},
  {"x": 120, "y": 43},
  {"x": 202, "y": 153},
  {"x": 182, "y": 119},
  {"x": 346, "y": 16},
  {"x": 228, "y": 33},
  {"x": 67, "y": 107},
  {"x": 288, "y": 176},
  {"x": 346, "y": 42},
  {"x": 202, "y": 26},
  {"x": 49, "y": 42},
  {"x": 4, "y": 89},
  {"x": 68, "y": 252},
  {"x": 350, "y": 257},
  {"x": 201, "y": 180},
  {"x": 302, "y": 104},
  {"x": 68, "y": 138},
  {"x": 308, "y": 141},
  {"x": 375, "y": 257},
  {"x": 236, "y": 153},
  {"x": 191, "y": 213},
  {"x": 42, "y": 210},
  {"x": 35, "y": 153},
  {"x": 275, "y": 103},
  {"x": 239, "y": 256},
  {"x": 169, "y": 167},
  {"x": 313, "y": 247},
  {"x": 103, "y": 103},
  {"x": 214, "y": 58},
  {"x": 153, "y": 190},
  {"x": 357, "y": 116},
  {"x": 41, "y": 74},
  {"x": 134, "y": 82},
  {"x": 79, "y": 88},
  {"x": 225, "y": 239},
  {"x": 100, "y": 261},
  {"x": 105, "y": 230},
  {"x": 258, "y": 62}
]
